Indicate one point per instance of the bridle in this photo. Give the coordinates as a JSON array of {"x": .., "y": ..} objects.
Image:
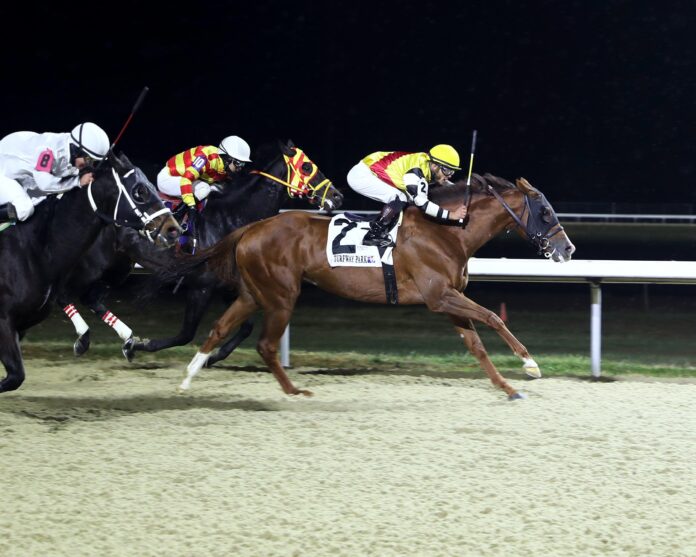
[
  {"x": 298, "y": 180},
  {"x": 537, "y": 228},
  {"x": 144, "y": 216}
]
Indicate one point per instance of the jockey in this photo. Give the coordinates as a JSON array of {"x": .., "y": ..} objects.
[
  {"x": 189, "y": 174},
  {"x": 397, "y": 177},
  {"x": 34, "y": 165}
]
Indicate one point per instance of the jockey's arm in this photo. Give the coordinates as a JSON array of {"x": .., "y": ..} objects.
[
  {"x": 417, "y": 188},
  {"x": 56, "y": 177},
  {"x": 191, "y": 175}
]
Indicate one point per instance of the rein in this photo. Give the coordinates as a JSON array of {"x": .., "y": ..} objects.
[
  {"x": 539, "y": 238},
  {"x": 144, "y": 217},
  {"x": 296, "y": 182}
]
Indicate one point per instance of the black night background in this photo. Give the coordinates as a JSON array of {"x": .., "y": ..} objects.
[{"x": 593, "y": 102}]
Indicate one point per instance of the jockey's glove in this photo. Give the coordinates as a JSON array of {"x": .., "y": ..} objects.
[{"x": 189, "y": 200}]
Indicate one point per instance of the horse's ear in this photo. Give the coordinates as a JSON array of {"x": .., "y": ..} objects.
[
  {"x": 288, "y": 148},
  {"x": 114, "y": 161},
  {"x": 525, "y": 187},
  {"x": 125, "y": 161}
]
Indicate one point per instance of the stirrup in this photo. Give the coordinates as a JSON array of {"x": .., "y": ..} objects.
[{"x": 372, "y": 239}]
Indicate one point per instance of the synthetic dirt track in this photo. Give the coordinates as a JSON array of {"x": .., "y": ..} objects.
[{"x": 103, "y": 459}]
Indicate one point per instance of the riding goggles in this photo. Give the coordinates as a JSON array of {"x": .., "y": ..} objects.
[{"x": 448, "y": 172}]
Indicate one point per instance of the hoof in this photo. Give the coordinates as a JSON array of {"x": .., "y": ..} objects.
[
  {"x": 128, "y": 348},
  {"x": 81, "y": 344},
  {"x": 531, "y": 368},
  {"x": 303, "y": 392},
  {"x": 517, "y": 396},
  {"x": 212, "y": 360}
]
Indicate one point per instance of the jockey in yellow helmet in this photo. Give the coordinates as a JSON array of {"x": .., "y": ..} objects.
[{"x": 397, "y": 177}]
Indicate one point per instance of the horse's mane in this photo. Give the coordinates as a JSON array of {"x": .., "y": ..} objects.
[
  {"x": 238, "y": 185},
  {"x": 479, "y": 184}
]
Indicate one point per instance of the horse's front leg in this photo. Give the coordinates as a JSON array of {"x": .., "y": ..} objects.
[
  {"x": 274, "y": 323},
  {"x": 466, "y": 330},
  {"x": 11, "y": 357},
  {"x": 82, "y": 342},
  {"x": 94, "y": 299},
  {"x": 455, "y": 303}
]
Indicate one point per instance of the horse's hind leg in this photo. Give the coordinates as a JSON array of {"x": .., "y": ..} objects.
[
  {"x": 230, "y": 346},
  {"x": 11, "y": 357},
  {"x": 197, "y": 302},
  {"x": 466, "y": 330},
  {"x": 274, "y": 324},
  {"x": 236, "y": 314}
]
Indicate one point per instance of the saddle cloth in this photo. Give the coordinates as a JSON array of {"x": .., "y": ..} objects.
[{"x": 344, "y": 243}]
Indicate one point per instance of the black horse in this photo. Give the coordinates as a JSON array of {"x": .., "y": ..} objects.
[
  {"x": 283, "y": 171},
  {"x": 35, "y": 254}
]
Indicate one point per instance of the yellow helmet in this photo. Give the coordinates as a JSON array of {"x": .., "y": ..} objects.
[{"x": 445, "y": 155}]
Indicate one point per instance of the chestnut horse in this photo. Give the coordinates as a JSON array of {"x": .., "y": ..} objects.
[{"x": 267, "y": 261}]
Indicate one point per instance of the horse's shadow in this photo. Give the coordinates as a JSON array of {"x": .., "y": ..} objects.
[
  {"x": 58, "y": 411},
  {"x": 352, "y": 372}
]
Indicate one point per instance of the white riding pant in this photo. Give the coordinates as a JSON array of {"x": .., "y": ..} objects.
[
  {"x": 362, "y": 180},
  {"x": 171, "y": 185},
  {"x": 11, "y": 191}
]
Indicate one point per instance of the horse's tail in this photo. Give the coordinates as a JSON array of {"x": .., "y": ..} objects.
[
  {"x": 219, "y": 258},
  {"x": 223, "y": 261}
]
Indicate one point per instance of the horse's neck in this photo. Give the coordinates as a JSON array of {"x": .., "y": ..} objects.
[
  {"x": 258, "y": 199},
  {"x": 72, "y": 228},
  {"x": 143, "y": 252},
  {"x": 487, "y": 219}
]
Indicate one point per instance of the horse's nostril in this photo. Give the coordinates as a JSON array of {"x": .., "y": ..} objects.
[{"x": 172, "y": 232}]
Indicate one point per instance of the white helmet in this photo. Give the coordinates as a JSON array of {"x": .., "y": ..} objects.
[
  {"x": 235, "y": 147},
  {"x": 91, "y": 139}
]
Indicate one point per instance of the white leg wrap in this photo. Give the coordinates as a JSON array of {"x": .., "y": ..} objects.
[
  {"x": 122, "y": 330},
  {"x": 80, "y": 325},
  {"x": 193, "y": 368}
]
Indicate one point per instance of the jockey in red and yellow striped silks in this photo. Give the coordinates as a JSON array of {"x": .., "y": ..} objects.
[{"x": 199, "y": 163}]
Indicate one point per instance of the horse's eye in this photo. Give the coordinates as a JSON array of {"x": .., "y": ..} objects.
[
  {"x": 140, "y": 193},
  {"x": 546, "y": 215},
  {"x": 307, "y": 167}
]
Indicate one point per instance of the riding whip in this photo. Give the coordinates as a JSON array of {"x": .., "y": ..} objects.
[
  {"x": 471, "y": 160},
  {"x": 136, "y": 106}
]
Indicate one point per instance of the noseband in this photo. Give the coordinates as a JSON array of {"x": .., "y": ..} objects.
[
  {"x": 297, "y": 183},
  {"x": 144, "y": 216},
  {"x": 536, "y": 231}
]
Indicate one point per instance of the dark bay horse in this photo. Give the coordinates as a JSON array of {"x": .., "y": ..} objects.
[
  {"x": 37, "y": 253},
  {"x": 282, "y": 171},
  {"x": 267, "y": 261}
]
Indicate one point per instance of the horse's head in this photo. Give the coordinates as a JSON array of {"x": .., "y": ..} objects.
[
  {"x": 304, "y": 179},
  {"x": 538, "y": 222},
  {"x": 134, "y": 199}
]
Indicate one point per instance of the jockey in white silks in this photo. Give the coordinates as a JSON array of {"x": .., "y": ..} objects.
[{"x": 34, "y": 165}]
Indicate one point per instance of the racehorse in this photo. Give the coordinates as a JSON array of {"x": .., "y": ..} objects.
[
  {"x": 35, "y": 254},
  {"x": 282, "y": 171},
  {"x": 267, "y": 261}
]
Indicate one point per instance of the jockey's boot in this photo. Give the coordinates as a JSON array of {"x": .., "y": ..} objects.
[
  {"x": 8, "y": 213},
  {"x": 378, "y": 235}
]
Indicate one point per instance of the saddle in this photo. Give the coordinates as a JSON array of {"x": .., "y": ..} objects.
[{"x": 344, "y": 248}]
